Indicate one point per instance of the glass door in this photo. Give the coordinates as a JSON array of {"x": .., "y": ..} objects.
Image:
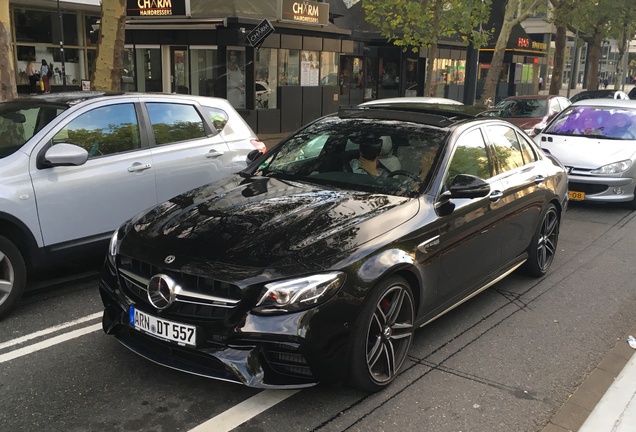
[{"x": 180, "y": 72}]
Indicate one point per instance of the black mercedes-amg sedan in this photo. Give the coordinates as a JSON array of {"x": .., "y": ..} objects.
[{"x": 319, "y": 261}]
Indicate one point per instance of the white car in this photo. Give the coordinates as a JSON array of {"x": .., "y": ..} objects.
[
  {"x": 263, "y": 91},
  {"x": 595, "y": 140},
  {"x": 74, "y": 166}
]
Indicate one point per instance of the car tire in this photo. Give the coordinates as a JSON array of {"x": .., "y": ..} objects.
[
  {"x": 544, "y": 242},
  {"x": 12, "y": 276},
  {"x": 382, "y": 335}
]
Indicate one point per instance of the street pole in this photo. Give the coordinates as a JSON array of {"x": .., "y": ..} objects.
[{"x": 59, "y": 15}]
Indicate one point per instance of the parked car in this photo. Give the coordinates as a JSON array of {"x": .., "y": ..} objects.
[
  {"x": 303, "y": 269},
  {"x": 529, "y": 112},
  {"x": 74, "y": 166},
  {"x": 263, "y": 91},
  {"x": 599, "y": 94},
  {"x": 596, "y": 141}
]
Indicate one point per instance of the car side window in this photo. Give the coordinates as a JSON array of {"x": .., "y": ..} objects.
[
  {"x": 470, "y": 157},
  {"x": 217, "y": 117},
  {"x": 175, "y": 122},
  {"x": 508, "y": 154},
  {"x": 529, "y": 155},
  {"x": 103, "y": 131}
]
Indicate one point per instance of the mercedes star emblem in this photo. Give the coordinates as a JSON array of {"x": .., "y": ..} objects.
[
  {"x": 170, "y": 259},
  {"x": 161, "y": 291}
]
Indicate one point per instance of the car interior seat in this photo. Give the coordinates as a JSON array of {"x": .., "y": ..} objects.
[
  {"x": 387, "y": 158},
  {"x": 410, "y": 155}
]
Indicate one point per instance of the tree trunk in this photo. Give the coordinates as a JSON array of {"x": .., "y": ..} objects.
[
  {"x": 8, "y": 88},
  {"x": 595, "y": 53},
  {"x": 109, "y": 63},
  {"x": 622, "y": 51},
  {"x": 492, "y": 78},
  {"x": 559, "y": 59},
  {"x": 430, "y": 68}
]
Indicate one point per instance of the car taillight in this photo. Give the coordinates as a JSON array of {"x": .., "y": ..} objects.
[{"x": 259, "y": 145}]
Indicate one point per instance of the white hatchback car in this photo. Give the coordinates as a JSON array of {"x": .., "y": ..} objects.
[
  {"x": 74, "y": 166},
  {"x": 595, "y": 140}
]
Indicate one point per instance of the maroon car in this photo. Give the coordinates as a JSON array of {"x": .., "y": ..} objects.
[{"x": 529, "y": 112}]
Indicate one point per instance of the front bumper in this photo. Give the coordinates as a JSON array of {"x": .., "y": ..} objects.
[
  {"x": 282, "y": 351},
  {"x": 603, "y": 189}
]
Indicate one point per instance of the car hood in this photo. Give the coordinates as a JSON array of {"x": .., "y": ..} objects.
[
  {"x": 587, "y": 153},
  {"x": 264, "y": 222}
]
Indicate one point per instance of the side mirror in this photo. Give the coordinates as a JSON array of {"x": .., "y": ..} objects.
[
  {"x": 253, "y": 155},
  {"x": 65, "y": 155},
  {"x": 468, "y": 186}
]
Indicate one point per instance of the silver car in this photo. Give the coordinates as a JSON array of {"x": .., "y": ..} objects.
[
  {"x": 74, "y": 166},
  {"x": 596, "y": 141}
]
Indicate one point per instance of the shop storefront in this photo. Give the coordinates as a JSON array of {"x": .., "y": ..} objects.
[{"x": 37, "y": 32}]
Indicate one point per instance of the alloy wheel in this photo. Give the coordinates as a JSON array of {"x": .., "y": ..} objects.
[
  {"x": 390, "y": 333},
  {"x": 546, "y": 245},
  {"x": 7, "y": 277}
]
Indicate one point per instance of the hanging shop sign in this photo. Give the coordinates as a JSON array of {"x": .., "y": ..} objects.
[
  {"x": 259, "y": 33},
  {"x": 306, "y": 12},
  {"x": 157, "y": 8}
]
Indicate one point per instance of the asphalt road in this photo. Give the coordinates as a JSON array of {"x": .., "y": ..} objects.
[{"x": 504, "y": 361}]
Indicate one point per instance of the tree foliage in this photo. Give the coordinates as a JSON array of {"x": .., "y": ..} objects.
[
  {"x": 109, "y": 63},
  {"x": 415, "y": 24}
]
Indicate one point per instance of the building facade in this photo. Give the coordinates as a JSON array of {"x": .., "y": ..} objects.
[{"x": 321, "y": 55}]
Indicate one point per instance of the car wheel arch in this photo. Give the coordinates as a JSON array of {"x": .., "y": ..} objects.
[{"x": 16, "y": 232}]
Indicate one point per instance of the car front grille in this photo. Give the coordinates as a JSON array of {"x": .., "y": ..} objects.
[
  {"x": 587, "y": 188},
  {"x": 201, "y": 297}
]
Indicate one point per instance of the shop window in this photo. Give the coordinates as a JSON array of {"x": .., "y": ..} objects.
[
  {"x": 44, "y": 26},
  {"x": 236, "y": 77},
  {"x": 148, "y": 72},
  {"x": 328, "y": 69},
  {"x": 448, "y": 72},
  {"x": 309, "y": 68},
  {"x": 92, "y": 29},
  {"x": 411, "y": 77},
  {"x": 266, "y": 66},
  {"x": 370, "y": 78},
  {"x": 389, "y": 78},
  {"x": 128, "y": 72},
  {"x": 288, "y": 67},
  {"x": 203, "y": 71}
]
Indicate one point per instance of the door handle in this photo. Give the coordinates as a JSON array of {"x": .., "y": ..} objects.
[
  {"x": 137, "y": 167},
  {"x": 213, "y": 154},
  {"x": 539, "y": 179},
  {"x": 496, "y": 195}
]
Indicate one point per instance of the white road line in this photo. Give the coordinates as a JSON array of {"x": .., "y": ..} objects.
[
  {"x": 49, "y": 330},
  {"x": 48, "y": 343},
  {"x": 244, "y": 411}
]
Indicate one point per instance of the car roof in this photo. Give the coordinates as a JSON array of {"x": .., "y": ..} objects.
[
  {"x": 445, "y": 110},
  {"x": 531, "y": 97},
  {"x": 429, "y": 115},
  {"x": 606, "y": 102},
  {"x": 412, "y": 100}
]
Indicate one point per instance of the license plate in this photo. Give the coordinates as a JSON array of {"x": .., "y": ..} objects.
[
  {"x": 182, "y": 334},
  {"x": 576, "y": 196}
]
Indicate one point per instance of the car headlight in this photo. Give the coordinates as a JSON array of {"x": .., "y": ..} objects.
[
  {"x": 294, "y": 295},
  {"x": 613, "y": 168},
  {"x": 113, "y": 247}
]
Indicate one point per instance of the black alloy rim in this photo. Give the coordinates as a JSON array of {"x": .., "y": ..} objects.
[
  {"x": 546, "y": 247},
  {"x": 7, "y": 277},
  {"x": 390, "y": 334}
]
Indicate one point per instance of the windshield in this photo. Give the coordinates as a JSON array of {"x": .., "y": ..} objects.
[
  {"x": 530, "y": 108},
  {"x": 596, "y": 122},
  {"x": 380, "y": 156},
  {"x": 19, "y": 122}
]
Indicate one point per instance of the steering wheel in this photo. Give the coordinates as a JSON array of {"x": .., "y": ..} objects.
[{"x": 406, "y": 174}]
